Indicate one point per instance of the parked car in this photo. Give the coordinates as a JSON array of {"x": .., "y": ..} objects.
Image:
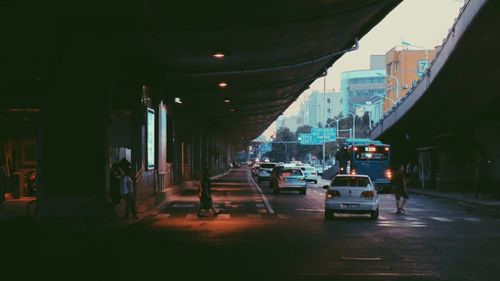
[
  {"x": 319, "y": 169},
  {"x": 288, "y": 178},
  {"x": 265, "y": 171},
  {"x": 352, "y": 194},
  {"x": 310, "y": 173}
]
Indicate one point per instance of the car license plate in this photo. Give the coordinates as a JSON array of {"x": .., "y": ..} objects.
[{"x": 350, "y": 206}]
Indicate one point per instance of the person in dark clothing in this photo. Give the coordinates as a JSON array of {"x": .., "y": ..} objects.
[
  {"x": 205, "y": 194},
  {"x": 3, "y": 186},
  {"x": 399, "y": 186},
  {"x": 116, "y": 174},
  {"x": 129, "y": 191}
]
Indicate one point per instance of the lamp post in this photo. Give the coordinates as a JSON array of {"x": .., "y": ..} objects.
[
  {"x": 384, "y": 97},
  {"x": 353, "y": 124},
  {"x": 397, "y": 82}
]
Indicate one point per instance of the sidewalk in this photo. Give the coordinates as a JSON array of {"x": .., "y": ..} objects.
[
  {"x": 15, "y": 212},
  {"x": 469, "y": 198}
]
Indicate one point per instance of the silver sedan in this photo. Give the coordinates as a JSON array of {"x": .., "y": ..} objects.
[{"x": 352, "y": 194}]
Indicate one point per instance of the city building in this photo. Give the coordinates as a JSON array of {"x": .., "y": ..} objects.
[
  {"x": 364, "y": 90},
  {"x": 404, "y": 67},
  {"x": 321, "y": 106}
]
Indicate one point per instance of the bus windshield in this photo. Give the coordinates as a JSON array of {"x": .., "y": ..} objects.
[{"x": 371, "y": 152}]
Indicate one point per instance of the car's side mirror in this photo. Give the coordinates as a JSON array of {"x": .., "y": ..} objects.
[{"x": 326, "y": 186}]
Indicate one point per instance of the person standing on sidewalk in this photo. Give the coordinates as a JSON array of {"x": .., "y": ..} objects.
[
  {"x": 399, "y": 186},
  {"x": 205, "y": 194},
  {"x": 129, "y": 192},
  {"x": 3, "y": 187}
]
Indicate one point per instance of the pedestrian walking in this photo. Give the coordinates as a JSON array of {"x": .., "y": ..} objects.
[
  {"x": 399, "y": 187},
  {"x": 116, "y": 175},
  {"x": 128, "y": 190},
  {"x": 205, "y": 194},
  {"x": 3, "y": 187}
]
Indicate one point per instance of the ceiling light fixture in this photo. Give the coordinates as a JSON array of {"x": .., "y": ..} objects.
[
  {"x": 219, "y": 55},
  {"x": 223, "y": 84},
  {"x": 227, "y": 101},
  {"x": 178, "y": 100},
  {"x": 232, "y": 109}
]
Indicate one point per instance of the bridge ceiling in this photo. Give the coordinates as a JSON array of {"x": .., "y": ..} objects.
[{"x": 273, "y": 49}]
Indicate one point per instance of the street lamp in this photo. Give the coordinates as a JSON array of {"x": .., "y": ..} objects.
[
  {"x": 357, "y": 105},
  {"x": 397, "y": 82},
  {"x": 353, "y": 124},
  {"x": 384, "y": 97}
]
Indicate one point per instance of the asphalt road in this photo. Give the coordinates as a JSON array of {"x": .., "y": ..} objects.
[{"x": 262, "y": 236}]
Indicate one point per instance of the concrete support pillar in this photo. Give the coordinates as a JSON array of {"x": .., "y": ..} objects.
[
  {"x": 73, "y": 158},
  {"x": 73, "y": 154}
]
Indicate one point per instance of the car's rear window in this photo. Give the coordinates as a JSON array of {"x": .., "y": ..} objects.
[
  {"x": 290, "y": 172},
  {"x": 351, "y": 181}
]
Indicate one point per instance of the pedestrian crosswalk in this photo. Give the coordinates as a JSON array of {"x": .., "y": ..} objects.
[{"x": 384, "y": 220}]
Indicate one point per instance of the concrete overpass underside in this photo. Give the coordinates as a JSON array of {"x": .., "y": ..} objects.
[
  {"x": 89, "y": 74},
  {"x": 449, "y": 121}
]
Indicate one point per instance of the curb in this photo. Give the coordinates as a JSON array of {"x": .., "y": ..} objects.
[{"x": 495, "y": 206}]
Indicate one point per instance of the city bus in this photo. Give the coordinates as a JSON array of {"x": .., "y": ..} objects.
[{"x": 367, "y": 157}]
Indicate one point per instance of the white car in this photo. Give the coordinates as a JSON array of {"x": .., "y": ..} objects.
[
  {"x": 310, "y": 173},
  {"x": 265, "y": 170},
  {"x": 351, "y": 194}
]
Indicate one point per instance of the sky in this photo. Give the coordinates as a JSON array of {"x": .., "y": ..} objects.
[{"x": 423, "y": 23}]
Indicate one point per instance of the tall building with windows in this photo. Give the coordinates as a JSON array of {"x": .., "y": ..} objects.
[
  {"x": 363, "y": 90},
  {"x": 404, "y": 67},
  {"x": 321, "y": 106}
]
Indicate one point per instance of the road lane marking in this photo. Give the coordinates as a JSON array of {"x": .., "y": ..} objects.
[
  {"x": 441, "y": 219},
  {"x": 361, "y": 259},
  {"x": 183, "y": 206},
  {"x": 264, "y": 198},
  {"x": 310, "y": 210}
]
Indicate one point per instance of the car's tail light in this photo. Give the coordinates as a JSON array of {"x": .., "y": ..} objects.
[
  {"x": 353, "y": 171},
  {"x": 388, "y": 174},
  {"x": 368, "y": 194},
  {"x": 332, "y": 193}
]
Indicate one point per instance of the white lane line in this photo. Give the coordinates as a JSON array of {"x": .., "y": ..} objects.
[
  {"x": 362, "y": 259},
  {"x": 310, "y": 210},
  {"x": 264, "y": 198},
  {"x": 441, "y": 219},
  {"x": 473, "y": 219},
  {"x": 183, "y": 206}
]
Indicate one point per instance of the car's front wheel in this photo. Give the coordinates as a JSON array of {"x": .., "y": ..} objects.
[{"x": 374, "y": 214}]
